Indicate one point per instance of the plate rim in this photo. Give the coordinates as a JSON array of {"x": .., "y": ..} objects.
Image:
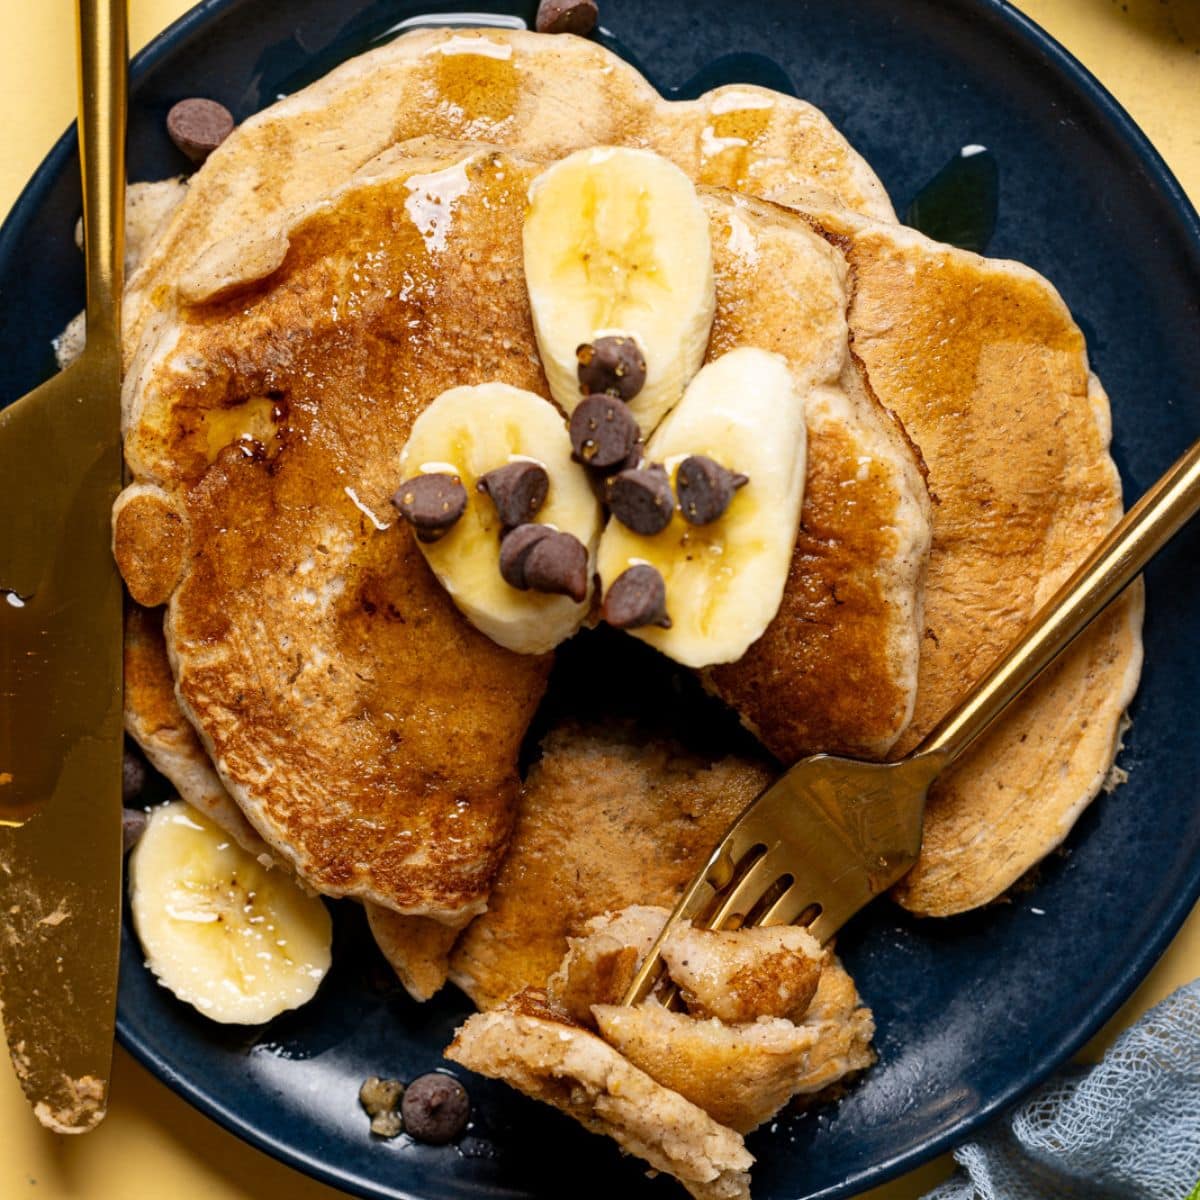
[{"x": 1158, "y": 175}]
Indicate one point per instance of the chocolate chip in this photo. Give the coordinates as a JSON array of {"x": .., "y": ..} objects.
[
  {"x": 133, "y": 825},
  {"x": 634, "y": 457},
  {"x": 558, "y": 565},
  {"x": 435, "y": 1108},
  {"x": 705, "y": 488},
  {"x": 517, "y": 490},
  {"x": 566, "y": 16},
  {"x": 637, "y": 597},
  {"x": 603, "y": 431},
  {"x": 641, "y": 499},
  {"x": 133, "y": 775},
  {"x": 614, "y": 365},
  {"x": 514, "y": 550},
  {"x": 431, "y": 503},
  {"x": 380, "y": 1099},
  {"x": 198, "y": 126}
]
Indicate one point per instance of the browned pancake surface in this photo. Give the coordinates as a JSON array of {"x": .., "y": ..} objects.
[
  {"x": 835, "y": 669},
  {"x": 983, "y": 363},
  {"x": 367, "y": 730},
  {"x": 608, "y": 819}
]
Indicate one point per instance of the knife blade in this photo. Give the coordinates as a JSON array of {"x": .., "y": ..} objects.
[{"x": 60, "y": 656}]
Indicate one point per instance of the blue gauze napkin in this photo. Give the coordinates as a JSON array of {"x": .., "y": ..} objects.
[{"x": 1125, "y": 1129}]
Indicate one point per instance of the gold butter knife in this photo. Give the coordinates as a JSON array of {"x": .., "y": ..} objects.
[{"x": 60, "y": 655}]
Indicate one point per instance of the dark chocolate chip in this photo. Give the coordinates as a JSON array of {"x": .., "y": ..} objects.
[
  {"x": 558, "y": 564},
  {"x": 517, "y": 490},
  {"x": 198, "y": 126},
  {"x": 641, "y": 499},
  {"x": 637, "y": 597},
  {"x": 435, "y": 1108},
  {"x": 133, "y": 775},
  {"x": 380, "y": 1099},
  {"x": 566, "y": 16},
  {"x": 133, "y": 825},
  {"x": 614, "y": 365},
  {"x": 603, "y": 431},
  {"x": 634, "y": 457},
  {"x": 705, "y": 488},
  {"x": 431, "y": 503},
  {"x": 514, "y": 550}
]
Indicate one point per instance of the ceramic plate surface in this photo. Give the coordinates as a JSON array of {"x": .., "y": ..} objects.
[{"x": 973, "y": 1011}]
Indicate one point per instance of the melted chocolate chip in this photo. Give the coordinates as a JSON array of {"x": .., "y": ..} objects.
[
  {"x": 558, "y": 565},
  {"x": 517, "y": 490},
  {"x": 603, "y": 431},
  {"x": 637, "y": 597},
  {"x": 435, "y": 1108},
  {"x": 641, "y": 499},
  {"x": 614, "y": 365},
  {"x": 198, "y": 126},
  {"x": 514, "y": 550},
  {"x": 705, "y": 488},
  {"x": 431, "y": 503}
]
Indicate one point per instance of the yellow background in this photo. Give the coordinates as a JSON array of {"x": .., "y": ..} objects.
[{"x": 153, "y": 1145}]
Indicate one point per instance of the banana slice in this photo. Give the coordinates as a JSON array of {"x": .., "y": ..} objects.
[
  {"x": 724, "y": 579},
  {"x": 237, "y": 941},
  {"x": 617, "y": 244},
  {"x": 469, "y": 432}
]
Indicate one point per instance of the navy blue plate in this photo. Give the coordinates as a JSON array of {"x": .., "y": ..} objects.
[{"x": 973, "y": 1011}]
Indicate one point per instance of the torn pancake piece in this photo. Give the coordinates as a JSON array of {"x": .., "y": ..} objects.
[
  {"x": 533, "y": 1048},
  {"x": 790, "y": 1020},
  {"x": 743, "y": 1074},
  {"x": 599, "y": 966},
  {"x": 744, "y": 974}
]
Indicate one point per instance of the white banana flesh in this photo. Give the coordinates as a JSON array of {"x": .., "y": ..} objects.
[
  {"x": 725, "y": 580},
  {"x": 239, "y": 942},
  {"x": 469, "y": 431},
  {"x": 617, "y": 243}
]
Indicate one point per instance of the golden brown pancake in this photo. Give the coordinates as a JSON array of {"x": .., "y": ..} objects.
[
  {"x": 511, "y": 88},
  {"x": 835, "y": 670},
  {"x": 984, "y": 365},
  {"x": 608, "y": 818},
  {"x": 368, "y": 733},
  {"x": 366, "y": 730},
  {"x": 416, "y": 947},
  {"x": 153, "y": 720}
]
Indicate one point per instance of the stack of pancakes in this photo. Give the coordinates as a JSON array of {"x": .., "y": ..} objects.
[{"x": 294, "y": 668}]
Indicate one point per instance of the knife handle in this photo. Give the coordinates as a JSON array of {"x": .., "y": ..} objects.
[{"x": 103, "y": 67}]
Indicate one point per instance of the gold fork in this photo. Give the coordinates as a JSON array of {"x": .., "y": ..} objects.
[{"x": 833, "y": 833}]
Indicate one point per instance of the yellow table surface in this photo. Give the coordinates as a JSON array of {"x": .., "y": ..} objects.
[{"x": 1147, "y": 52}]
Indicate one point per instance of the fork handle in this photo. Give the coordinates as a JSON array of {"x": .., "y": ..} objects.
[
  {"x": 1110, "y": 568},
  {"x": 103, "y": 65}
]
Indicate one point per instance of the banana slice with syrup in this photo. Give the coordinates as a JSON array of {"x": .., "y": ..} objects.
[
  {"x": 706, "y": 576},
  {"x": 506, "y": 519},
  {"x": 616, "y": 249},
  {"x": 239, "y": 942}
]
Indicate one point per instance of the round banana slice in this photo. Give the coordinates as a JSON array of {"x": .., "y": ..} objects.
[
  {"x": 724, "y": 579},
  {"x": 470, "y": 431},
  {"x": 237, "y": 941},
  {"x": 617, "y": 243}
]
